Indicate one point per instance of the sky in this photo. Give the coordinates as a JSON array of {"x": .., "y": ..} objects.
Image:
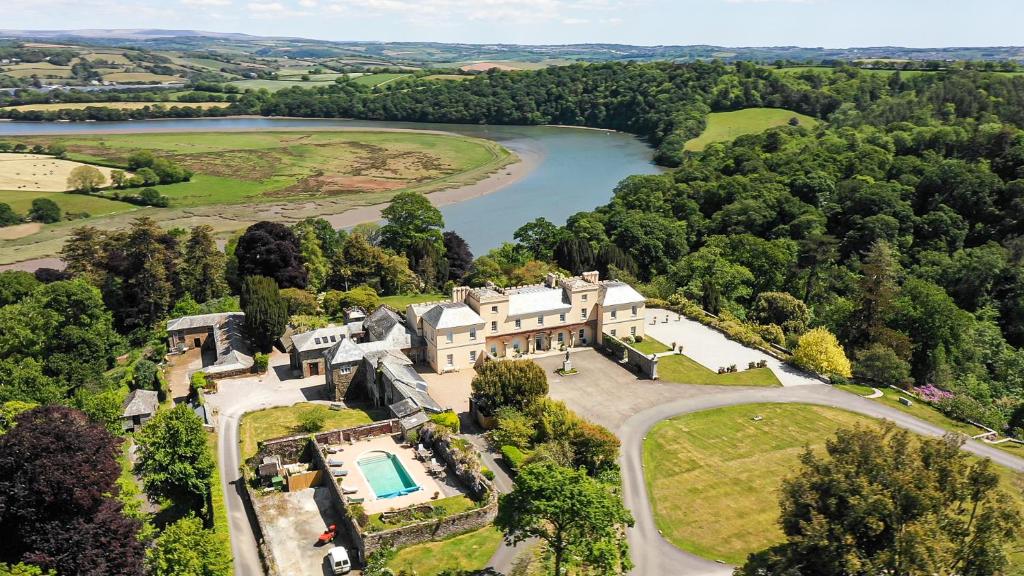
[{"x": 812, "y": 23}]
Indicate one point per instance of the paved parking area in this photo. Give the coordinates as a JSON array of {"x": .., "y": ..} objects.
[
  {"x": 608, "y": 394},
  {"x": 712, "y": 349},
  {"x": 293, "y": 522}
]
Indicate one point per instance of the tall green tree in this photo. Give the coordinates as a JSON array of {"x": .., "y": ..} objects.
[
  {"x": 410, "y": 217},
  {"x": 881, "y": 501},
  {"x": 186, "y": 548},
  {"x": 174, "y": 459},
  {"x": 581, "y": 519},
  {"x": 318, "y": 266},
  {"x": 203, "y": 265},
  {"x": 512, "y": 383},
  {"x": 876, "y": 294},
  {"x": 266, "y": 313}
]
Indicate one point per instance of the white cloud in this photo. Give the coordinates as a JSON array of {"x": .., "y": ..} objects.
[
  {"x": 206, "y": 2},
  {"x": 575, "y": 21},
  {"x": 307, "y": 3}
]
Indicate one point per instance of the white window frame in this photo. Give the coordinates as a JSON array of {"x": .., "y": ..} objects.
[
  {"x": 472, "y": 355},
  {"x": 632, "y": 330},
  {"x": 540, "y": 320},
  {"x": 634, "y": 310},
  {"x": 449, "y": 337},
  {"x": 615, "y": 314},
  {"x": 519, "y": 323},
  {"x": 561, "y": 337},
  {"x": 472, "y": 333},
  {"x": 494, "y": 325},
  {"x": 345, "y": 369},
  {"x": 450, "y": 360},
  {"x": 583, "y": 313},
  {"x": 561, "y": 317}
]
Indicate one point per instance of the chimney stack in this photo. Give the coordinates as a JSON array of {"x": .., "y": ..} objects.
[
  {"x": 590, "y": 276},
  {"x": 459, "y": 293}
]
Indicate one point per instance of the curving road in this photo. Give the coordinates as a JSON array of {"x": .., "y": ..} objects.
[{"x": 611, "y": 396}]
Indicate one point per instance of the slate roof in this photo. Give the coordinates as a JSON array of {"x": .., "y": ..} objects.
[
  {"x": 399, "y": 371},
  {"x": 199, "y": 321},
  {"x": 452, "y": 315},
  {"x": 232, "y": 346},
  {"x": 319, "y": 339},
  {"x": 140, "y": 403},
  {"x": 379, "y": 324},
  {"x": 529, "y": 300},
  {"x": 616, "y": 293}
]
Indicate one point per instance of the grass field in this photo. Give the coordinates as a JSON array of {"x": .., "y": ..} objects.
[
  {"x": 275, "y": 85},
  {"x": 272, "y": 166},
  {"x": 682, "y": 369},
  {"x": 284, "y": 421},
  {"x": 726, "y": 126},
  {"x": 118, "y": 105},
  {"x": 401, "y": 301},
  {"x": 457, "y": 77},
  {"x": 714, "y": 476},
  {"x": 651, "y": 346},
  {"x": 467, "y": 552},
  {"x": 21, "y": 200},
  {"x": 377, "y": 79},
  {"x": 140, "y": 77},
  {"x": 38, "y": 173}
]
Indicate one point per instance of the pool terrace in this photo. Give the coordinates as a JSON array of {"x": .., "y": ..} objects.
[{"x": 442, "y": 486}]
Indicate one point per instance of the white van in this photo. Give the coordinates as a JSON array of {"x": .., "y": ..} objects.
[{"x": 337, "y": 557}]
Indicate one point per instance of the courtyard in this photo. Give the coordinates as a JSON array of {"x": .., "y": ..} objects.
[{"x": 292, "y": 522}]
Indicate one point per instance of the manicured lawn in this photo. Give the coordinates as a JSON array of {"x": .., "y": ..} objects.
[
  {"x": 726, "y": 126},
  {"x": 442, "y": 508},
  {"x": 650, "y": 346},
  {"x": 714, "y": 476},
  {"x": 284, "y": 421},
  {"x": 684, "y": 370},
  {"x": 401, "y": 301},
  {"x": 469, "y": 551}
]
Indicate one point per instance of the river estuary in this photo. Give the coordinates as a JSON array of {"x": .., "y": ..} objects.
[{"x": 564, "y": 171}]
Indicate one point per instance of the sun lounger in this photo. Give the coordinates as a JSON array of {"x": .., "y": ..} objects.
[
  {"x": 335, "y": 462},
  {"x": 349, "y": 490},
  {"x": 356, "y": 500},
  {"x": 339, "y": 473},
  {"x": 334, "y": 449}
]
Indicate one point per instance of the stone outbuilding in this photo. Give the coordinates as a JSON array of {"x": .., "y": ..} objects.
[{"x": 139, "y": 406}]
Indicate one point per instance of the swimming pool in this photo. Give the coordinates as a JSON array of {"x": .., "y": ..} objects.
[{"x": 386, "y": 475}]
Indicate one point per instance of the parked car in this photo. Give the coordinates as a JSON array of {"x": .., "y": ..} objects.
[{"x": 337, "y": 557}]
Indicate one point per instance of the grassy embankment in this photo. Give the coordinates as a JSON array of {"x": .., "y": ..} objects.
[
  {"x": 726, "y": 126},
  {"x": 284, "y": 421},
  {"x": 401, "y": 301},
  {"x": 714, "y": 476},
  {"x": 929, "y": 414},
  {"x": 466, "y": 552},
  {"x": 305, "y": 173}
]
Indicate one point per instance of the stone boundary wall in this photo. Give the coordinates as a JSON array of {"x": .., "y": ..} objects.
[
  {"x": 435, "y": 529},
  {"x": 291, "y": 448},
  {"x": 339, "y": 501},
  {"x": 621, "y": 352},
  {"x": 266, "y": 556}
]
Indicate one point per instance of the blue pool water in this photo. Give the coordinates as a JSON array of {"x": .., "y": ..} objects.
[{"x": 386, "y": 475}]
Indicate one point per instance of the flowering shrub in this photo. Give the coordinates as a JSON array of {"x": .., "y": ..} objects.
[{"x": 929, "y": 393}]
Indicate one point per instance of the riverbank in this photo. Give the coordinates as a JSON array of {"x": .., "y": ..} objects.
[
  {"x": 226, "y": 219},
  {"x": 559, "y": 172}
]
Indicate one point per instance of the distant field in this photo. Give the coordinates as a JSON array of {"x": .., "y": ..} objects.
[
  {"x": 275, "y": 85},
  {"x": 21, "y": 200},
  {"x": 41, "y": 69},
  {"x": 118, "y": 105},
  {"x": 726, "y": 126},
  {"x": 377, "y": 79},
  {"x": 37, "y": 172},
  {"x": 140, "y": 77},
  {"x": 447, "y": 77}
]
